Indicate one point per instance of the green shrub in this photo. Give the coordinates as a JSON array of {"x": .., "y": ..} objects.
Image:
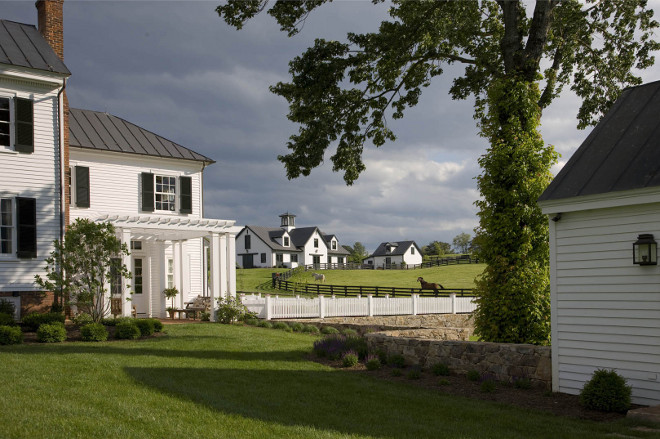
[
  {"x": 205, "y": 316},
  {"x": 158, "y": 325},
  {"x": 440, "y": 369},
  {"x": 473, "y": 375},
  {"x": 396, "y": 361},
  {"x": 281, "y": 325},
  {"x": 51, "y": 332},
  {"x": 311, "y": 329},
  {"x": 10, "y": 335},
  {"x": 251, "y": 322},
  {"x": 396, "y": 372},
  {"x": 414, "y": 373},
  {"x": 606, "y": 391},
  {"x": 265, "y": 324},
  {"x": 382, "y": 356},
  {"x": 94, "y": 332},
  {"x": 372, "y": 362},
  {"x": 350, "y": 332},
  {"x": 329, "y": 330},
  {"x": 488, "y": 386},
  {"x": 82, "y": 319},
  {"x": 349, "y": 359},
  {"x": 230, "y": 310},
  {"x": 443, "y": 382},
  {"x": 297, "y": 327},
  {"x": 358, "y": 344},
  {"x": 522, "y": 383},
  {"x": 7, "y": 319},
  {"x": 126, "y": 330},
  {"x": 31, "y": 322},
  {"x": 7, "y": 307},
  {"x": 146, "y": 326},
  {"x": 109, "y": 321}
]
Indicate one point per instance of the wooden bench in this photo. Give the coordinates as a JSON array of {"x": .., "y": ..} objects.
[{"x": 195, "y": 306}]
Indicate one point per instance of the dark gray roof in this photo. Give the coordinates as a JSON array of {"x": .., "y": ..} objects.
[
  {"x": 340, "y": 250},
  {"x": 105, "y": 132},
  {"x": 267, "y": 235},
  {"x": 621, "y": 153},
  {"x": 400, "y": 247},
  {"x": 299, "y": 237},
  {"x": 22, "y": 45}
]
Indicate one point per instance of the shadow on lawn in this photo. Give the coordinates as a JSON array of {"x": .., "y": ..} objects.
[{"x": 318, "y": 399}]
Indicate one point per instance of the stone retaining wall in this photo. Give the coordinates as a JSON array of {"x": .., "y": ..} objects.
[{"x": 504, "y": 362}]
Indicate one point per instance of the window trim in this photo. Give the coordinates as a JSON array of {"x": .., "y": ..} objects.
[
  {"x": 175, "y": 210},
  {"x": 12, "y": 253},
  {"x": 286, "y": 242},
  {"x": 16, "y": 125}
]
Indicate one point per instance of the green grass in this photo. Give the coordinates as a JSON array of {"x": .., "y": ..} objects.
[
  {"x": 451, "y": 276},
  {"x": 210, "y": 380}
]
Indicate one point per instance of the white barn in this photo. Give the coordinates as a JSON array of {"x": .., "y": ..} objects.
[
  {"x": 396, "y": 252},
  {"x": 606, "y": 308}
]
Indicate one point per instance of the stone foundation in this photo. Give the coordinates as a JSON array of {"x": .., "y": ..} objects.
[{"x": 504, "y": 362}]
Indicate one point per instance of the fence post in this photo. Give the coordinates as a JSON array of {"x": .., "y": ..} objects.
[
  {"x": 370, "y": 304},
  {"x": 414, "y": 304},
  {"x": 453, "y": 302},
  {"x": 321, "y": 306},
  {"x": 269, "y": 310}
]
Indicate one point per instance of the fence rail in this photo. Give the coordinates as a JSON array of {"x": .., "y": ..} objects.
[
  {"x": 437, "y": 262},
  {"x": 274, "y": 307}
]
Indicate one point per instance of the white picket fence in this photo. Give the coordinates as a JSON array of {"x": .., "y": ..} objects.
[{"x": 275, "y": 307}]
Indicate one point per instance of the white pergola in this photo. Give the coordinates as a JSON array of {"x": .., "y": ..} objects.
[{"x": 221, "y": 235}]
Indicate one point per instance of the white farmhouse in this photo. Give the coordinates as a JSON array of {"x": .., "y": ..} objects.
[
  {"x": 396, "y": 252},
  {"x": 288, "y": 246},
  {"x": 150, "y": 189},
  {"x": 32, "y": 78},
  {"x": 605, "y": 304}
]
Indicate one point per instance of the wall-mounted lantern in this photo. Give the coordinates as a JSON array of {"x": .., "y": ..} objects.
[{"x": 645, "y": 250}]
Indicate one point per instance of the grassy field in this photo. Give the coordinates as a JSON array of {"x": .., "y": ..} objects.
[
  {"x": 451, "y": 276},
  {"x": 210, "y": 380}
]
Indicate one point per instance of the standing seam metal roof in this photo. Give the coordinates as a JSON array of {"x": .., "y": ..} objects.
[
  {"x": 621, "y": 153},
  {"x": 22, "y": 45},
  {"x": 105, "y": 132}
]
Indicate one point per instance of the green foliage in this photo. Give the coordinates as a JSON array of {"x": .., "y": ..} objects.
[
  {"x": 311, "y": 329},
  {"x": 522, "y": 383},
  {"x": 473, "y": 375},
  {"x": 329, "y": 330},
  {"x": 297, "y": 327},
  {"x": 396, "y": 372},
  {"x": 414, "y": 373},
  {"x": 205, "y": 316},
  {"x": 396, "y": 361},
  {"x": 462, "y": 242},
  {"x": 372, "y": 362},
  {"x": 283, "y": 326},
  {"x": 488, "y": 386},
  {"x": 358, "y": 253},
  {"x": 607, "y": 391},
  {"x": 349, "y": 359},
  {"x": 170, "y": 293},
  {"x": 7, "y": 307},
  {"x": 82, "y": 266},
  {"x": 127, "y": 330},
  {"x": 443, "y": 382},
  {"x": 51, "y": 333},
  {"x": 265, "y": 324},
  {"x": 251, "y": 322},
  {"x": 31, "y": 322},
  {"x": 440, "y": 369},
  {"x": 230, "y": 309},
  {"x": 109, "y": 321},
  {"x": 7, "y": 319},
  {"x": 10, "y": 335},
  {"x": 513, "y": 295},
  {"x": 437, "y": 248},
  {"x": 349, "y": 332},
  {"x": 82, "y": 319},
  {"x": 146, "y": 326},
  {"x": 94, "y": 332},
  {"x": 158, "y": 325}
]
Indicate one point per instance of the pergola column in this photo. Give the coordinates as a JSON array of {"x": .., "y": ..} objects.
[
  {"x": 231, "y": 263},
  {"x": 215, "y": 272},
  {"x": 178, "y": 270},
  {"x": 125, "y": 237}
]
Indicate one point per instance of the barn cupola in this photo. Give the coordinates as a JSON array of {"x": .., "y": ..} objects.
[{"x": 288, "y": 221}]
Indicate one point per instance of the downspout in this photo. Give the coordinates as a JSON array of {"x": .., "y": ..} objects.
[{"x": 60, "y": 139}]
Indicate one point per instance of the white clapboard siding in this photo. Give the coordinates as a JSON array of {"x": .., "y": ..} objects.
[
  {"x": 606, "y": 310},
  {"x": 33, "y": 175}
]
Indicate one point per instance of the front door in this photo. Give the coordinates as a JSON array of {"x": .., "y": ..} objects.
[
  {"x": 139, "y": 286},
  {"x": 248, "y": 261}
]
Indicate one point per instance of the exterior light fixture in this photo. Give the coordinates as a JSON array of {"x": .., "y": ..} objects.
[{"x": 645, "y": 250}]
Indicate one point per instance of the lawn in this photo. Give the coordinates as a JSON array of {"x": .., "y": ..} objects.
[
  {"x": 451, "y": 276},
  {"x": 210, "y": 380}
]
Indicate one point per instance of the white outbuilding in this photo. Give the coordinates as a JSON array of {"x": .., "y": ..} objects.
[{"x": 605, "y": 296}]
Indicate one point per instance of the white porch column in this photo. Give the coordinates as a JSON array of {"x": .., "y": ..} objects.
[
  {"x": 178, "y": 270},
  {"x": 159, "y": 310},
  {"x": 126, "y": 304},
  {"x": 221, "y": 265},
  {"x": 215, "y": 272},
  {"x": 231, "y": 264}
]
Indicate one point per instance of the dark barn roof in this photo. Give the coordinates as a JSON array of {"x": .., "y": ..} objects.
[
  {"x": 105, "y": 132},
  {"x": 22, "y": 45},
  {"x": 399, "y": 248},
  {"x": 621, "y": 153}
]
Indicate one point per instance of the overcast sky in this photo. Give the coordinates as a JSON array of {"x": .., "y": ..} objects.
[{"x": 175, "y": 68}]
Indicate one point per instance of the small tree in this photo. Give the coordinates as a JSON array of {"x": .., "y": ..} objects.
[
  {"x": 462, "y": 242},
  {"x": 82, "y": 265},
  {"x": 170, "y": 293},
  {"x": 358, "y": 253}
]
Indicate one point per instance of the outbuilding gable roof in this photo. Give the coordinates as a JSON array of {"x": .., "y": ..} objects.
[
  {"x": 105, "y": 132},
  {"x": 621, "y": 153},
  {"x": 267, "y": 235},
  {"x": 398, "y": 248},
  {"x": 22, "y": 45}
]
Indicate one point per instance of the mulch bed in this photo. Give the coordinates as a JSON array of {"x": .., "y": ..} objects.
[{"x": 560, "y": 404}]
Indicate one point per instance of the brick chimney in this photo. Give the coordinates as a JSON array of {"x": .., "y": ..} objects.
[{"x": 51, "y": 26}]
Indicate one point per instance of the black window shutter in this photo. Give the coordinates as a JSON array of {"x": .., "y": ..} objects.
[
  {"x": 147, "y": 192},
  {"x": 185, "y": 184},
  {"x": 82, "y": 186},
  {"x": 26, "y": 227},
  {"x": 24, "y": 120}
]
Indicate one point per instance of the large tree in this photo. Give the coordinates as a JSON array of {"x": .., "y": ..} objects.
[{"x": 517, "y": 58}]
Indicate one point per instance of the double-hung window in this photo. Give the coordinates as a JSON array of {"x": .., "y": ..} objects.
[
  {"x": 165, "y": 193},
  {"x": 6, "y": 226},
  {"x": 18, "y": 227},
  {"x": 16, "y": 124}
]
